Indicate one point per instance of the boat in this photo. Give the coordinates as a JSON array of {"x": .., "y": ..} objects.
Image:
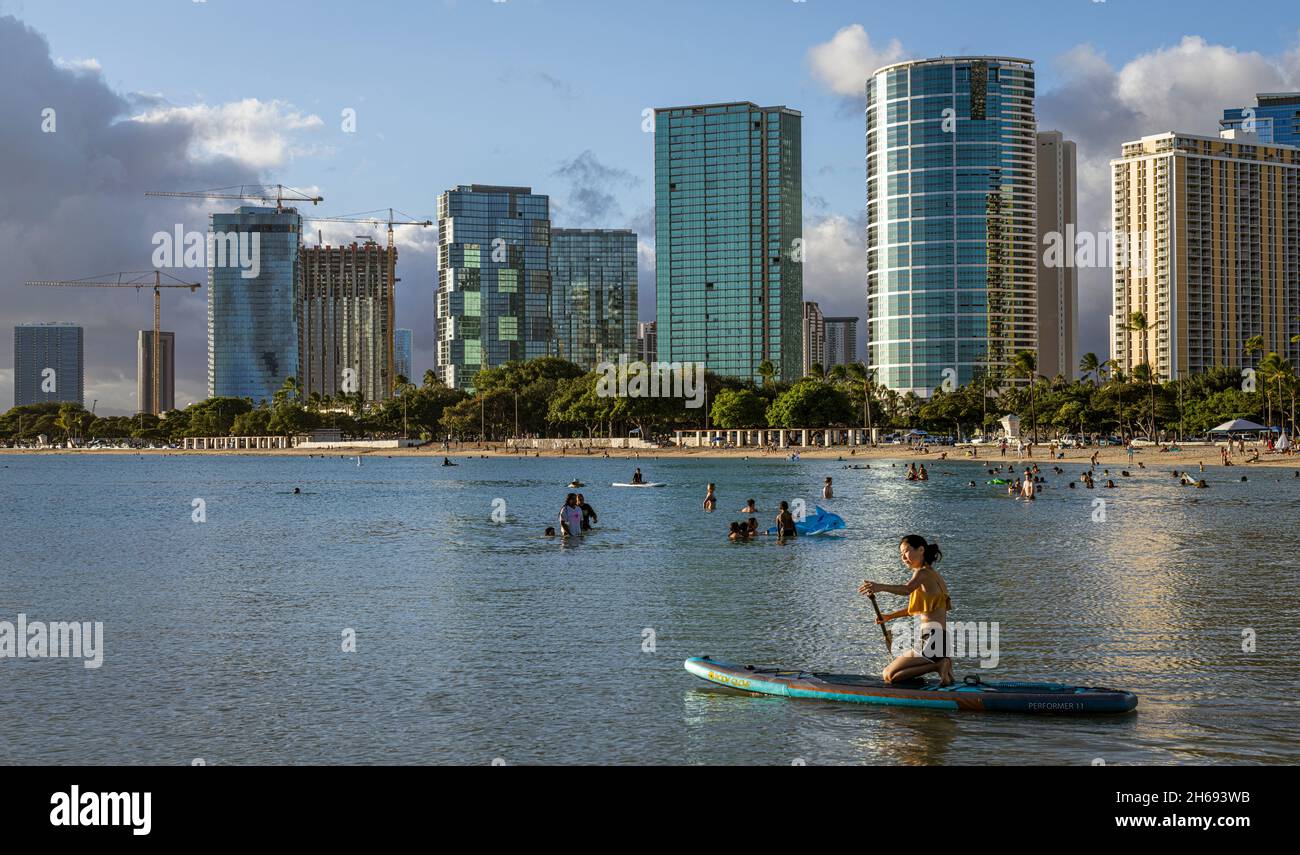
[{"x": 972, "y": 694}]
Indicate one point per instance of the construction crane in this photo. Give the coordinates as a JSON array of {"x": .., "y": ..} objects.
[
  {"x": 392, "y": 269},
  {"x": 136, "y": 279},
  {"x": 245, "y": 193}
]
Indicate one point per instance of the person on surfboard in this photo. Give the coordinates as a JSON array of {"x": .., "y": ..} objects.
[
  {"x": 928, "y": 600},
  {"x": 636, "y": 477}
]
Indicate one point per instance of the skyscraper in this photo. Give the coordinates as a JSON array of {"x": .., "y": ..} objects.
[
  {"x": 144, "y": 372},
  {"x": 593, "y": 294},
  {"x": 252, "y": 320},
  {"x": 951, "y": 280},
  {"x": 841, "y": 341},
  {"x": 1275, "y": 117},
  {"x": 402, "y": 354},
  {"x": 647, "y": 342},
  {"x": 728, "y": 237},
  {"x": 49, "y": 364},
  {"x": 1212, "y": 257},
  {"x": 1058, "y": 283},
  {"x": 814, "y": 337},
  {"x": 494, "y": 280},
  {"x": 343, "y": 311}
]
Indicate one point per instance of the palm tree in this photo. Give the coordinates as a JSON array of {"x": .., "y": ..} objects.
[
  {"x": 767, "y": 371},
  {"x": 866, "y": 376},
  {"x": 430, "y": 378},
  {"x": 1137, "y": 323},
  {"x": 1273, "y": 369},
  {"x": 1090, "y": 367},
  {"x": 1025, "y": 365}
]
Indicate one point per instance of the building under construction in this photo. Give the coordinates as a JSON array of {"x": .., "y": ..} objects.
[{"x": 344, "y": 306}]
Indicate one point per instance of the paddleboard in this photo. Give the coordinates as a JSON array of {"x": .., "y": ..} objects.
[
  {"x": 972, "y": 694},
  {"x": 646, "y": 484}
]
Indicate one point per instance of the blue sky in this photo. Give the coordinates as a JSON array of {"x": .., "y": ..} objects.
[{"x": 550, "y": 93}]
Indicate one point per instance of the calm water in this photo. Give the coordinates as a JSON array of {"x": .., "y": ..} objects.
[{"x": 478, "y": 640}]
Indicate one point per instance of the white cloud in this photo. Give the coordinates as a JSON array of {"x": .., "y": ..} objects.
[
  {"x": 846, "y": 61},
  {"x": 256, "y": 132},
  {"x": 89, "y": 65},
  {"x": 835, "y": 267}
]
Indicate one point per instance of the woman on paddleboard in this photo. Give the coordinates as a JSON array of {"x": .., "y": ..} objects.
[{"x": 928, "y": 600}]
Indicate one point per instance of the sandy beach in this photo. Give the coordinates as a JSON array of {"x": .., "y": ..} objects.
[{"x": 1188, "y": 457}]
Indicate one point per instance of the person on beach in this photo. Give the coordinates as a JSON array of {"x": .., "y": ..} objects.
[
  {"x": 785, "y": 522},
  {"x": 588, "y": 513},
  {"x": 710, "y": 499},
  {"x": 749, "y": 508},
  {"x": 827, "y": 493},
  {"x": 928, "y": 601},
  {"x": 571, "y": 516}
]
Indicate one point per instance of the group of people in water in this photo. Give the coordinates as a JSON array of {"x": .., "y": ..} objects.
[{"x": 576, "y": 516}]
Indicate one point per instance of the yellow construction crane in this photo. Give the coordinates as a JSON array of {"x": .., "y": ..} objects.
[
  {"x": 136, "y": 279},
  {"x": 392, "y": 269},
  {"x": 277, "y": 193}
]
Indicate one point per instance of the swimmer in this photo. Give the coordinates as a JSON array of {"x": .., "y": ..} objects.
[
  {"x": 749, "y": 508},
  {"x": 826, "y": 489},
  {"x": 710, "y": 500}
]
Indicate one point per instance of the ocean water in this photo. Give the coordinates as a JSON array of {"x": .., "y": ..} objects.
[{"x": 480, "y": 641}]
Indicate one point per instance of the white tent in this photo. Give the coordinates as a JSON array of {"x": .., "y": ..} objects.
[
  {"x": 1237, "y": 425},
  {"x": 1283, "y": 443}
]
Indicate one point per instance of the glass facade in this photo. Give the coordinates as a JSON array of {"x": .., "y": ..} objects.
[
  {"x": 55, "y": 346},
  {"x": 1275, "y": 117},
  {"x": 593, "y": 295},
  {"x": 252, "y": 322},
  {"x": 728, "y": 238},
  {"x": 494, "y": 280},
  {"x": 951, "y": 219},
  {"x": 402, "y": 355}
]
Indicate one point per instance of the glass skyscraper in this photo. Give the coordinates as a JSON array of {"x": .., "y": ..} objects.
[
  {"x": 252, "y": 322},
  {"x": 402, "y": 354},
  {"x": 728, "y": 238},
  {"x": 58, "y": 347},
  {"x": 951, "y": 219},
  {"x": 593, "y": 294},
  {"x": 1275, "y": 117},
  {"x": 494, "y": 280}
]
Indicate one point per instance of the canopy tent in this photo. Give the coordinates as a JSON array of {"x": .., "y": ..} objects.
[
  {"x": 1236, "y": 426},
  {"x": 917, "y": 432}
]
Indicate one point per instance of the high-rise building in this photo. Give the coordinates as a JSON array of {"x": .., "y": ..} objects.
[
  {"x": 593, "y": 294},
  {"x": 1058, "y": 282},
  {"x": 1275, "y": 118},
  {"x": 343, "y": 311},
  {"x": 841, "y": 341},
  {"x": 402, "y": 355},
  {"x": 252, "y": 320},
  {"x": 951, "y": 281},
  {"x": 814, "y": 337},
  {"x": 49, "y": 364},
  {"x": 494, "y": 280},
  {"x": 144, "y": 372},
  {"x": 1210, "y": 254},
  {"x": 647, "y": 342},
  {"x": 728, "y": 237}
]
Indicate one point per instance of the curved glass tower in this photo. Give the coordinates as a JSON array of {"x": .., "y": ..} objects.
[{"x": 951, "y": 224}]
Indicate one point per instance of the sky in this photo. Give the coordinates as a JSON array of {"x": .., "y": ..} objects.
[{"x": 181, "y": 95}]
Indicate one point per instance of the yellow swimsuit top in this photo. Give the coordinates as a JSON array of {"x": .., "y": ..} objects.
[{"x": 920, "y": 602}]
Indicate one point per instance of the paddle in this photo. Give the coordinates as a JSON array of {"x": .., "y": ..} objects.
[{"x": 884, "y": 627}]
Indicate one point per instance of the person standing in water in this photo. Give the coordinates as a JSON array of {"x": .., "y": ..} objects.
[
  {"x": 710, "y": 499},
  {"x": 928, "y": 601},
  {"x": 785, "y": 522},
  {"x": 827, "y": 493},
  {"x": 749, "y": 508},
  {"x": 571, "y": 516},
  {"x": 588, "y": 513}
]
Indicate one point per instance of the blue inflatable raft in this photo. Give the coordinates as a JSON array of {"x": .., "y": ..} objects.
[{"x": 819, "y": 522}]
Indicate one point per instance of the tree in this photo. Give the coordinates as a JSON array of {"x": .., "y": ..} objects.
[
  {"x": 860, "y": 373},
  {"x": 1025, "y": 365},
  {"x": 810, "y": 404},
  {"x": 767, "y": 371},
  {"x": 739, "y": 408},
  {"x": 1090, "y": 367}
]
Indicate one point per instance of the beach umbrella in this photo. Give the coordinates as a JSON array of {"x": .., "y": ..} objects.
[{"x": 1236, "y": 425}]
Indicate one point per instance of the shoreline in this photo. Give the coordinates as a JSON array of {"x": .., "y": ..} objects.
[{"x": 1116, "y": 456}]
